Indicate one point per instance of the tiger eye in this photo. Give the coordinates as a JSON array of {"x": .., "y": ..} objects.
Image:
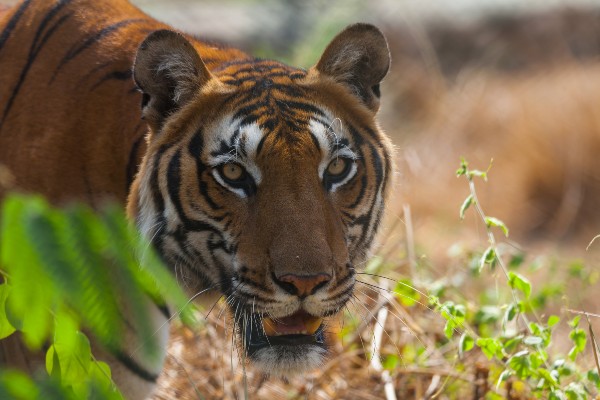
[
  {"x": 232, "y": 172},
  {"x": 337, "y": 166}
]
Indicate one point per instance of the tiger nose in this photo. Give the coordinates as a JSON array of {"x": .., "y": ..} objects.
[{"x": 302, "y": 285}]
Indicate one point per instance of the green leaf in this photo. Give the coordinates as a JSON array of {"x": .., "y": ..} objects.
[
  {"x": 465, "y": 205},
  {"x": 463, "y": 169},
  {"x": 488, "y": 257},
  {"x": 519, "y": 282},
  {"x": 511, "y": 344},
  {"x": 406, "y": 293},
  {"x": 594, "y": 378},
  {"x": 495, "y": 222},
  {"x": 516, "y": 260},
  {"x": 575, "y": 391},
  {"x": 28, "y": 304},
  {"x": 75, "y": 359},
  {"x": 575, "y": 321},
  {"x": 17, "y": 385},
  {"x": 391, "y": 362},
  {"x": 512, "y": 311},
  {"x": 493, "y": 396},
  {"x": 454, "y": 315},
  {"x": 552, "y": 320},
  {"x": 6, "y": 329},
  {"x": 548, "y": 377},
  {"x": 466, "y": 343},
  {"x": 491, "y": 347},
  {"x": 579, "y": 338},
  {"x": 520, "y": 364}
]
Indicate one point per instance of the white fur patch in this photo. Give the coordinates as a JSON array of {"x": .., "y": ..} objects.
[
  {"x": 329, "y": 138},
  {"x": 287, "y": 361},
  {"x": 243, "y": 151},
  {"x": 180, "y": 68}
]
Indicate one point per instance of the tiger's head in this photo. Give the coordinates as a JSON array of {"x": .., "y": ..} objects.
[{"x": 266, "y": 183}]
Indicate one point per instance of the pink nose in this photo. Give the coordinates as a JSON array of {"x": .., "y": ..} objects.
[{"x": 302, "y": 285}]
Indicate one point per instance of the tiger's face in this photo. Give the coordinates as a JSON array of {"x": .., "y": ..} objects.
[{"x": 265, "y": 183}]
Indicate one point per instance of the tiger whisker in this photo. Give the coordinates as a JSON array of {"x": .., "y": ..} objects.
[
  {"x": 395, "y": 281},
  {"x": 394, "y": 314},
  {"x": 351, "y": 301},
  {"x": 377, "y": 288},
  {"x": 374, "y": 318}
]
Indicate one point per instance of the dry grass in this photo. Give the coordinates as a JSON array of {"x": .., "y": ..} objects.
[{"x": 543, "y": 132}]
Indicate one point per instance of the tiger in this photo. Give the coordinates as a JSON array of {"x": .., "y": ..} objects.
[{"x": 261, "y": 182}]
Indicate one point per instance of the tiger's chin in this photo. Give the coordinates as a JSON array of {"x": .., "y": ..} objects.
[
  {"x": 288, "y": 361},
  {"x": 288, "y": 346}
]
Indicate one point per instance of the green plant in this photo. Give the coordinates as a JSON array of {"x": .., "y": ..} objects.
[
  {"x": 519, "y": 347},
  {"x": 66, "y": 271}
]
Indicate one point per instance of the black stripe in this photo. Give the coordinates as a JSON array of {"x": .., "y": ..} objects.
[
  {"x": 132, "y": 165},
  {"x": 164, "y": 310},
  {"x": 361, "y": 193},
  {"x": 298, "y": 105},
  {"x": 343, "y": 293},
  {"x": 13, "y": 22},
  {"x": 134, "y": 367},
  {"x": 157, "y": 201},
  {"x": 173, "y": 186},
  {"x": 243, "y": 295},
  {"x": 116, "y": 75},
  {"x": 377, "y": 166},
  {"x": 34, "y": 51},
  {"x": 195, "y": 150},
  {"x": 260, "y": 145},
  {"x": 78, "y": 48}
]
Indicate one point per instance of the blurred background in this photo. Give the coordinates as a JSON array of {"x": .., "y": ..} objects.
[{"x": 509, "y": 80}]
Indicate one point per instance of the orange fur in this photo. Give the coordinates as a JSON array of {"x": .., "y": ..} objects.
[{"x": 281, "y": 243}]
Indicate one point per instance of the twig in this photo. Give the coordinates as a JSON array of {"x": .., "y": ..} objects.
[
  {"x": 435, "y": 381},
  {"x": 594, "y": 343},
  {"x": 388, "y": 384},
  {"x": 410, "y": 240},
  {"x": 587, "y": 314},
  {"x": 588, "y": 246}
]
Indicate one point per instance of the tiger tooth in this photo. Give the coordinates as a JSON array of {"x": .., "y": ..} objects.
[
  {"x": 269, "y": 327},
  {"x": 312, "y": 324}
]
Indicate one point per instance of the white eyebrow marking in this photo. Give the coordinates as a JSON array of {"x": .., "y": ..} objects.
[
  {"x": 334, "y": 143},
  {"x": 241, "y": 149}
]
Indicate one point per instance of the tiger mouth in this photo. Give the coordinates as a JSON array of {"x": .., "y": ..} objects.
[{"x": 297, "y": 329}]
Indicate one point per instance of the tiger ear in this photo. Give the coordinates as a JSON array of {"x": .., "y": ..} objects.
[
  {"x": 359, "y": 58},
  {"x": 169, "y": 72}
]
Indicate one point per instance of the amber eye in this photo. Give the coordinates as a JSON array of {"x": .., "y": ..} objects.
[
  {"x": 337, "y": 172},
  {"x": 232, "y": 172},
  {"x": 337, "y": 167},
  {"x": 235, "y": 177}
]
